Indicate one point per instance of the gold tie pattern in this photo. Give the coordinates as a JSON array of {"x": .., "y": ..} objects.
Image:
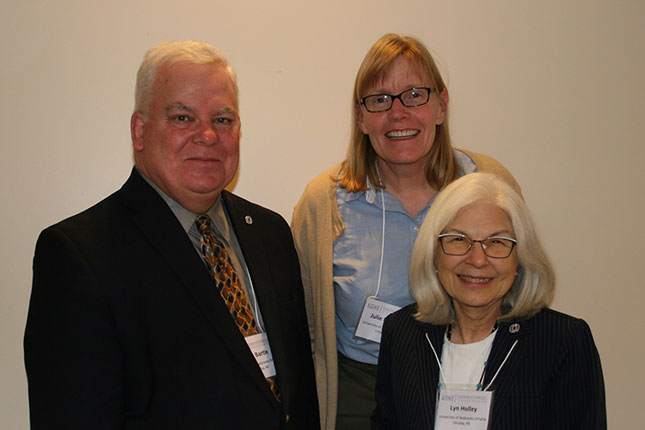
[{"x": 228, "y": 284}]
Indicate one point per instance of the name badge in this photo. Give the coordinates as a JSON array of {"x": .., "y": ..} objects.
[
  {"x": 259, "y": 346},
  {"x": 460, "y": 409},
  {"x": 370, "y": 324}
]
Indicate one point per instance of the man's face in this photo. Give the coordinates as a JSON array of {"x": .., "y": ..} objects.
[{"x": 187, "y": 140}]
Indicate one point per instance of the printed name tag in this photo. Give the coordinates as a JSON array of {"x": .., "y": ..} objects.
[
  {"x": 259, "y": 346},
  {"x": 461, "y": 409},
  {"x": 370, "y": 324}
]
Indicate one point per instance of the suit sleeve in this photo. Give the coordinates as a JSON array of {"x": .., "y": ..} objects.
[
  {"x": 72, "y": 357},
  {"x": 384, "y": 416},
  {"x": 577, "y": 394}
]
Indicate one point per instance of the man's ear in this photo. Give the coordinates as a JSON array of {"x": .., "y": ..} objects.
[{"x": 136, "y": 130}]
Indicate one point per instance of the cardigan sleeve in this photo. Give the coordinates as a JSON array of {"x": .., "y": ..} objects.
[
  {"x": 312, "y": 228},
  {"x": 315, "y": 225}
]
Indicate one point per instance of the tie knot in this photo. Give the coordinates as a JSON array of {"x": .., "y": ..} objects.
[{"x": 203, "y": 222}]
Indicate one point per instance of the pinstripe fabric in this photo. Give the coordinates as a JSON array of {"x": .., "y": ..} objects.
[{"x": 552, "y": 379}]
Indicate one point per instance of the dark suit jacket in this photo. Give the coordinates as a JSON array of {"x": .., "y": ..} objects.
[
  {"x": 125, "y": 329},
  {"x": 551, "y": 380}
]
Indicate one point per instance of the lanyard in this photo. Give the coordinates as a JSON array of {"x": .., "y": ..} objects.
[{"x": 485, "y": 366}]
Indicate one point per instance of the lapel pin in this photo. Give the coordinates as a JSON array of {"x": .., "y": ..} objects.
[
  {"x": 248, "y": 219},
  {"x": 514, "y": 328}
]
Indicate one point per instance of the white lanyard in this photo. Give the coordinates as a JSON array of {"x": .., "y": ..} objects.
[
  {"x": 374, "y": 312},
  {"x": 494, "y": 376},
  {"x": 457, "y": 409}
]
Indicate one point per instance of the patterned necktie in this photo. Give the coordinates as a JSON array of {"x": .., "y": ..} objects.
[{"x": 228, "y": 284}]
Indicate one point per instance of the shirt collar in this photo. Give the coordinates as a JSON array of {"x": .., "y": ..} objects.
[
  {"x": 349, "y": 196},
  {"x": 466, "y": 165},
  {"x": 187, "y": 218}
]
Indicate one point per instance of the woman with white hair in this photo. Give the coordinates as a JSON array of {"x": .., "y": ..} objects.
[{"x": 480, "y": 347}]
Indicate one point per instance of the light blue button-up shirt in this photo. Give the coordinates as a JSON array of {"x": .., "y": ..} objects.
[{"x": 357, "y": 256}]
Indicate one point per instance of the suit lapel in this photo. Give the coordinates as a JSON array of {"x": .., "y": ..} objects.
[
  {"x": 435, "y": 334},
  {"x": 159, "y": 225},
  {"x": 255, "y": 250},
  {"x": 507, "y": 335},
  {"x": 428, "y": 366}
]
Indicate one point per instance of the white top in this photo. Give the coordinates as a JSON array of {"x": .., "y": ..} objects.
[{"x": 463, "y": 364}]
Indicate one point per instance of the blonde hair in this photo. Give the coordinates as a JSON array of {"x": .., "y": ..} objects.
[
  {"x": 166, "y": 54},
  {"x": 534, "y": 285},
  {"x": 361, "y": 157}
]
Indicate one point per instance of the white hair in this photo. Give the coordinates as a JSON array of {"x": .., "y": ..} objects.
[{"x": 534, "y": 286}]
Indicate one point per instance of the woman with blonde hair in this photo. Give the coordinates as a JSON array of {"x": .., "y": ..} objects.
[{"x": 355, "y": 225}]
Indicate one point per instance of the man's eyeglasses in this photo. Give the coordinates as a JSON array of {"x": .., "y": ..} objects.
[
  {"x": 460, "y": 244},
  {"x": 410, "y": 98}
]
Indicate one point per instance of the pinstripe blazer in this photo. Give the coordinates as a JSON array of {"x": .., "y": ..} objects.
[{"x": 551, "y": 380}]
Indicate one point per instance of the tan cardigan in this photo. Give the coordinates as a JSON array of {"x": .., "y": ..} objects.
[{"x": 316, "y": 225}]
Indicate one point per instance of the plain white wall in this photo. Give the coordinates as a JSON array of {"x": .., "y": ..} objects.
[{"x": 553, "y": 89}]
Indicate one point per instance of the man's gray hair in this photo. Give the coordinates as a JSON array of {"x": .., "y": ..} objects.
[{"x": 167, "y": 54}]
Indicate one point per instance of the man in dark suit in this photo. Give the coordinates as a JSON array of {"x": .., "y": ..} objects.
[{"x": 128, "y": 325}]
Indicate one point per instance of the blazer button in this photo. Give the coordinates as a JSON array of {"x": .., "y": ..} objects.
[{"x": 287, "y": 418}]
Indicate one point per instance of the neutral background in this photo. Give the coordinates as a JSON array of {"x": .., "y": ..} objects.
[{"x": 553, "y": 89}]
